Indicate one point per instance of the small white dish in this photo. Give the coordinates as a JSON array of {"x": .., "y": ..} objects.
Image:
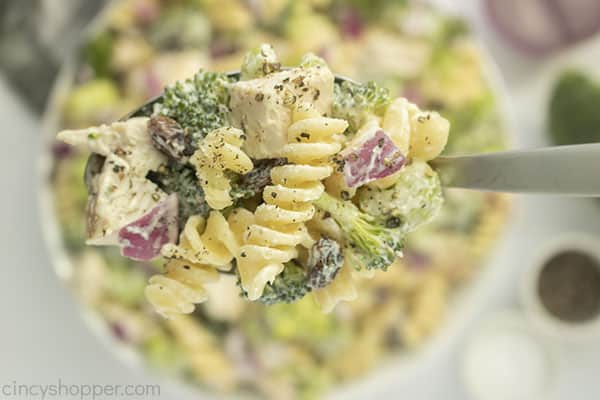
[
  {"x": 506, "y": 359},
  {"x": 537, "y": 313}
]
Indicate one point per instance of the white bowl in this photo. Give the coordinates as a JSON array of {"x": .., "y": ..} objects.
[{"x": 464, "y": 306}]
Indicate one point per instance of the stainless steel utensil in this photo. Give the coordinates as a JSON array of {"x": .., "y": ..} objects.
[{"x": 562, "y": 170}]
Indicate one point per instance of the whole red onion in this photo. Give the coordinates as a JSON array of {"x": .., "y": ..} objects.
[{"x": 543, "y": 26}]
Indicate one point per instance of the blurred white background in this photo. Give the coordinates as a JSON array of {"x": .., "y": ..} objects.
[{"x": 43, "y": 339}]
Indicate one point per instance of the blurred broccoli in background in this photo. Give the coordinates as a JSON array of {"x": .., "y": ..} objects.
[
  {"x": 355, "y": 102},
  {"x": 98, "y": 53},
  {"x": 300, "y": 321},
  {"x": 90, "y": 101},
  {"x": 181, "y": 28},
  {"x": 377, "y": 243},
  {"x": 574, "y": 114},
  {"x": 198, "y": 104},
  {"x": 414, "y": 200}
]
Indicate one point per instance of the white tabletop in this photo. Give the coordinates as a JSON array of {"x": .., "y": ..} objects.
[{"x": 43, "y": 339}]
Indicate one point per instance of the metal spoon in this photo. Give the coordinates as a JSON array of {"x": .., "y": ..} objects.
[{"x": 562, "y": 170}]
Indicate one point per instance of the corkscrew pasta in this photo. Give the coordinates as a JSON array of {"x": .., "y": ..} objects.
[
  {"x": 204, "y": 248},
  {"x": 220, "y": 151},
  {"x": 279, "y": 227}
]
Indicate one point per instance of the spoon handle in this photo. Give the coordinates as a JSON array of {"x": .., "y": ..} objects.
[{"x": 562, "y": 170}]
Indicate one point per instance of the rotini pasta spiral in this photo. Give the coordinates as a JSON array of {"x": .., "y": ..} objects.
[
  {"x": 279, "y": 226},
  {"x": 219, "y": 151},
  {"x": 204, "y": 247}
]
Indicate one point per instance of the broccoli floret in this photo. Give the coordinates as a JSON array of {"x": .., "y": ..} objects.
[
  {"x": 574, "y": 116},
  {"x": 259, "y": 62},
  {"x": 98, "y": 53},
  {"x": 374, "y": 242},
  {"x": 181, "y": 179},
  {"x": 289, "y": 286},
  {"x": 414, "y": 200},
  {"x": 198, "y": 104},
  {"x": 324, "y": 261},
  {"x": 355, "y": 102}
]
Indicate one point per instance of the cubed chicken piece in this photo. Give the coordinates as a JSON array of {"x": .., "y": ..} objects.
[
  {"x": 129, "y": 139},
  {"x": 116, "y": 199},
  {"x": 262, "y": 107}
]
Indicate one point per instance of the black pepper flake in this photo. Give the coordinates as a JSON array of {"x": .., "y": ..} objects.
[
  {"x": 243, "y": 254},
  {"x": 305, "y": 135},
  {"x": 345, "y": 195},
  {"x": 259, "y": 97},
  {"x": 274, "y": 195},
  {"x": 393, "y": 222}
]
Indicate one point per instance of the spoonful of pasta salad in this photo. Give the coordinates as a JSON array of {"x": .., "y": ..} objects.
[{"x": 293, "y": 179}]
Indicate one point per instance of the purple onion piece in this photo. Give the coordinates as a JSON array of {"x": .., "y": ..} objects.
[
  {"x": 539, "y": 27},
  {"x": 351, "y": 24},
  {"x": 119, "y": 331},
  {"x": 61, "y": 150},
  {"x": 375, "y": 158},
  {"x": 416, "y": 260},
  {"x": 154, "y": 86},
  {"x": 142, "y": 239},
  {"x": 146, "y": 12}
]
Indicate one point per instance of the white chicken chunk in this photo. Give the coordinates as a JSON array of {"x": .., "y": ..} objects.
[
  {"x": 129, "y": 139},
  {"x": 119, "y": 192},
  {"x": 262, "y": 107}
]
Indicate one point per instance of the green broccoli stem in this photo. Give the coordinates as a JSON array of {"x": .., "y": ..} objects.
[
  {"x": 344, "y": 212},
  {"x": 377, "y": 245}
]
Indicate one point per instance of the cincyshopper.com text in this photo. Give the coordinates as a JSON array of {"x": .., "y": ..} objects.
[{"x": 61, "y": 390}]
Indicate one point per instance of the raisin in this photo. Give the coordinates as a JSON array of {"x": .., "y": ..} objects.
[{"x": 169, "y": 138}]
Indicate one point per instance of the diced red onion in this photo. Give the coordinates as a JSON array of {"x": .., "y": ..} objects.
[
  {"x": 350, "y": 22},
  {"x": 152, "y": 81},
  {"x": 61, "y": 150},
  {"x": 375, "y": 158},
  {"x": 142, "y": 239},
  {"x": 146, "y": 12},
  {"x": 416, "y": 260}
]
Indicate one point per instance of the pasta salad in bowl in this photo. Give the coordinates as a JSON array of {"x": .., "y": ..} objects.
[
  {"x": 299, "y": 182},
  {"x": 254, "y": 210}
]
